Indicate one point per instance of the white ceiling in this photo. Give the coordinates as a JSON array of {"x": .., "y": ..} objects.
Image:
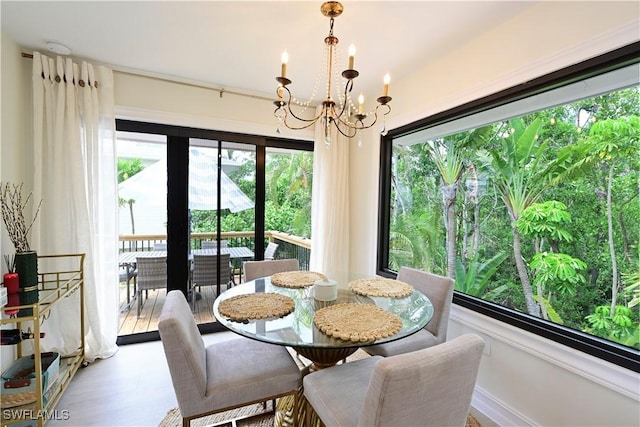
[{"x": 237, "y": 45}]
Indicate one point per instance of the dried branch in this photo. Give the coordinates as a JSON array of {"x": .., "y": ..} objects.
[
  {"x": 13, "y": 215},
  {"x": 10, "y": 262}
]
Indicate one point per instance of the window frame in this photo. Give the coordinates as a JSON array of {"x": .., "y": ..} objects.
[{"x": 594, "y": 346}]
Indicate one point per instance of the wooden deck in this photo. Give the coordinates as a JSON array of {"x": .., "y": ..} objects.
[{"x": 130, "y": 323}]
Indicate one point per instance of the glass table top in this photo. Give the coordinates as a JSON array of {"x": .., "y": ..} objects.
[{"x": 297, "y": 328}]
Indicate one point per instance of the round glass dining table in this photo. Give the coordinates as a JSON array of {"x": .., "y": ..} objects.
[{"x": 297, "y": 329}]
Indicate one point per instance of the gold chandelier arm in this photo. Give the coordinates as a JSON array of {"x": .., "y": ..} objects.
[
  {"x": 285, "y": 105},
  {"x": 359, "y": 124}
]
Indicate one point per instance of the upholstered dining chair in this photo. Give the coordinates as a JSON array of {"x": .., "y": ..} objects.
[
  {"x": 223, "y": 375},
  {"x": 428, "y": 387},
  {"x": 152, "y": 274},
  {"x": 255, "y": 269},
  {"x": 439, "y": 290},
  {"x": 205, "y": 271}
]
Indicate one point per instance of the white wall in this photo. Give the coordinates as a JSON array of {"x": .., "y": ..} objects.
[
  {"x": 154, "y": 100},
  {"x": 15, "y": 148},
  {"x": 519, "y": 384}
]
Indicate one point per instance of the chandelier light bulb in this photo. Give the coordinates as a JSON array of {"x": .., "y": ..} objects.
[
  {"x": 285, "y": 60},
  {"x": 387, "y": 79},
  {"x": 361, "y": 104},
  {"x": 352, "y": 55}
]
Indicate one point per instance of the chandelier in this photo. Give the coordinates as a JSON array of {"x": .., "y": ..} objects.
[{"x": 337, "y": 109}]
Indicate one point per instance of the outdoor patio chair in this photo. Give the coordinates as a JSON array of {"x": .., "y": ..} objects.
[
  {"x": 205, "y": 271},
  {"x": 270, "y": 252},
  {"x": 152, "y": 274},
  {"x": 256, "y": 269},
  {"x": 128, "y": 273},
  {"x": 223, "y": 375},
  {"x": 429, "y": 387},
  {"x": 212, "y": 244},
  {"x": 439, "y": 290}
]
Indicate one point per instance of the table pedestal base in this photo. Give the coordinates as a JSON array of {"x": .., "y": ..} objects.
[
  {"x": 321, "y": 358},
  {"x": 324, "y": 357}
]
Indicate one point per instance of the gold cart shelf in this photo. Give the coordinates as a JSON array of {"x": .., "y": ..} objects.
[{"x": 59, "y": 277}]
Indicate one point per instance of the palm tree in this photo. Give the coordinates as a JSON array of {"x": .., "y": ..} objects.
[
  {"x": 521, "y": 175},
  {"x": 450, "y": 165}
]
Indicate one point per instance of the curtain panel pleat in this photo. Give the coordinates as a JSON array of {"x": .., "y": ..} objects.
[
  {"x": 330, "y": 205},
  {"x": 75, "y": 177}
]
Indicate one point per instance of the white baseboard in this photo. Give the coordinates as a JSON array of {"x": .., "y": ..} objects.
[{"x": 497, "y": 411}]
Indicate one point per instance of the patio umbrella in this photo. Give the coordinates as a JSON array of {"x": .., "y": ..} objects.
[
  {"x": 149, "y": 191},
  {"x": 203, "y": 180}
]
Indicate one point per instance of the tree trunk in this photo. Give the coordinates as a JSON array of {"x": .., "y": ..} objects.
[
  {"x": 465, "y": 229},
  {"x": 472, "y": 196},
  {"x": 612, "y": 249},
  {"x": 532, "y": 307},
  {"x": 133, "y": 225},
  {"x": 449, "y": 193},
  {"x": 542, "y": 305}
]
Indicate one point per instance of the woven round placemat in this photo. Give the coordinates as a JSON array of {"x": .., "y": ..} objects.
[
  {"x": 256, "y": 306},
  {"x": 357, "y": 322},
  {"x": 381, "y": 288},
  {"x": 296, "y": 279}
]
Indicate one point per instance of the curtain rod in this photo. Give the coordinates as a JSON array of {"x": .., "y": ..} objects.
[{"x": 220, "y": 90}]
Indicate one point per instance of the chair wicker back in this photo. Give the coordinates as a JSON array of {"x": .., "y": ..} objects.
[
  {"x": 205, "y": 271},
  {"x": 270, "y": 252},
  {"x": 152, "y": 274},
  {"x": 212, "y": 244}
]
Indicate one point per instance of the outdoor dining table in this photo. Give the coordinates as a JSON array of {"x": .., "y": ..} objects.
[
  {"x": 128, "y": 260},
  {"x": 298, "y": 330},
  {"x": 235, "y": 252}
]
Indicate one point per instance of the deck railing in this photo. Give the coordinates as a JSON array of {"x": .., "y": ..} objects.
[{"x": 290, "y": 246}]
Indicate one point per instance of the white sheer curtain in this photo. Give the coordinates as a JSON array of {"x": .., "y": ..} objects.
[
  {"x": 75, "y": 177},
  {"x": 330, "y": 206}
]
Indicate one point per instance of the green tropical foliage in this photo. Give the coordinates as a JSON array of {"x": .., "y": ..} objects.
[
  {"x": 126, "y": 168},
  {"x": 561, "y": 195},
  {"x": 477, "y": 278}
]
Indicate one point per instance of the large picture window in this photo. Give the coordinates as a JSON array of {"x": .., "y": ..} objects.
[{"x": 531, "y": 202}]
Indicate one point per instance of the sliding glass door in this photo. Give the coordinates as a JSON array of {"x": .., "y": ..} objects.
[
  {"x": 179, "y": 213},
  {"x": 221, "y": 218},
  {"x": 142, "y": 201}
]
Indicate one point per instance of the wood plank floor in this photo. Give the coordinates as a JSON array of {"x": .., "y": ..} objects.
[
  {"x": 132, "y": 389},
  {"x": 131, "y": 323}
]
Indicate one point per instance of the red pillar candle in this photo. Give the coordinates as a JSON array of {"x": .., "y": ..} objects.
[
  {"x": 14, "y": 301},
  {"x": 11, "y": 282}
]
